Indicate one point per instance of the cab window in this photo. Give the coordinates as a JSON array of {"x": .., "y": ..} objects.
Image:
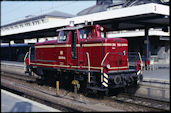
[
  {"x": 102, "y": 33},
  {"x": 63, "y": 36},
  {"x": 85, "y": 33},
  {"x": 82, "y": 34}
]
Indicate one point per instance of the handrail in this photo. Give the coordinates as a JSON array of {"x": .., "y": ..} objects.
[
  {"x": 88, "y": 66},
  {"x": 102, "y": 66},
  {"x": 24, "y": 61},
  {"x": 29, "y": 54},
  {"x": 140, "y": 60},
  {"x": 120, "y": 53},
  {"x": 104, "y": 58}
]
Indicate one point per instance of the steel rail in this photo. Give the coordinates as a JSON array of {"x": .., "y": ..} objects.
[
  {"x": 141, "y": 101},
  {"x": 18, "y": 76},
  {"x": 42, "y": 96},
  {"x": 132, "y": 98},
  {"x": 73, "y": 104}
]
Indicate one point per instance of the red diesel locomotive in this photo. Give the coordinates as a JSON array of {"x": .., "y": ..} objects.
[{"x": 85, "y": 54}]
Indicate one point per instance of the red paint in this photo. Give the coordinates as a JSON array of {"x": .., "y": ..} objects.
[
  {"x": 56, "y": 54},
  {"x": 138, "y": 66},
  {"x": 27, "y": 61}
]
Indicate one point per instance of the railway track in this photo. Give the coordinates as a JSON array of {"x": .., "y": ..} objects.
[
  {"x": 121, "y": 98},
  {"x": 141, "y": 101},
  {"x": 61, "y": 102},
  {"x": 19, "y": 76},
  {"x": 39, "y": 95},
  {"x": 33, "y": 96}
]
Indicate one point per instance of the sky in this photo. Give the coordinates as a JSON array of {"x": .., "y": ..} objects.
[{"x": 12, "y": 11}]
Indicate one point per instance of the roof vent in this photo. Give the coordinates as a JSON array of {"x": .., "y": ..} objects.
[
  {"x": 86, "y": 22},
  {"x": 71, "y": 23}
]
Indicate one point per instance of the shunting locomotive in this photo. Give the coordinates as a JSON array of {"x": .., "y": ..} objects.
[{"x": 87, "y": 55}]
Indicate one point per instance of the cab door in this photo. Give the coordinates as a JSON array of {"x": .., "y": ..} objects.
[
  {"x": 80, "y": 51},
  {"x": 76, "y": 55},
  {"x": 74, "y": 50},
  {"x": 73, "y": 45}
]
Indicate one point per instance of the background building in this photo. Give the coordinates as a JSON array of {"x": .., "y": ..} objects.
[
  {"x": 32, "y": 20},
  {"x": 104, "y": 5},
  {"x": 159, "y": 43}
]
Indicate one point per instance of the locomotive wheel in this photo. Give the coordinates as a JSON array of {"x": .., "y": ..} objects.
[
  {"x": 100, "y": 94},
  {"x": 116, "y": 91},
  {"x": 86, "y": 92},
  {"x": 66, "y": 80},
  {"x": 49, "y": 78}
]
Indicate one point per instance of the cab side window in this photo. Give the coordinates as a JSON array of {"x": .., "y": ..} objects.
[{"x": 63, "y": 36}]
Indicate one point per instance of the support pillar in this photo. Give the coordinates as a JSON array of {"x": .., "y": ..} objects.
[
  {"x": 37, "y": 40},
  {"x": 10, "y": 58},
  {"x": 147, "y": 49}
]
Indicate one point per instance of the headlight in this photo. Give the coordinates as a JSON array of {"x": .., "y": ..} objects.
[
  {"x": 108, "y": 66},
  {"x": 124, "y": 52}
]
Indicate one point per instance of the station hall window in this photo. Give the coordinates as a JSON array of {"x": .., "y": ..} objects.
[
  {"x": 43, "y": 20},
  {"x": 27, "y": 24},
  {"x": 11, "y": 27},
  {"x": 7, "y": 28},
  {"x": 21, "y": 25},
  {"x": 16, "y": 26},
  {"x": 63, "y": 36}
]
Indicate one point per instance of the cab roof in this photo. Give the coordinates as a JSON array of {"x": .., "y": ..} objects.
[{"x": 77, "y": 27}]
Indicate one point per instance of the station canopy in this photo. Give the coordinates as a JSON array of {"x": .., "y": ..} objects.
[{"x": 136, "y": 17}]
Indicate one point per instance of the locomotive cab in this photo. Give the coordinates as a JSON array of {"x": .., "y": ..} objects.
[{"x": 105, "y": 60}]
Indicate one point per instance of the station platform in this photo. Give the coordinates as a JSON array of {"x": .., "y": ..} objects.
[
  {"x": 14, "y": 103},
  {"x": 12, "y": 63},
  {"x": 160, "y": 74}
]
